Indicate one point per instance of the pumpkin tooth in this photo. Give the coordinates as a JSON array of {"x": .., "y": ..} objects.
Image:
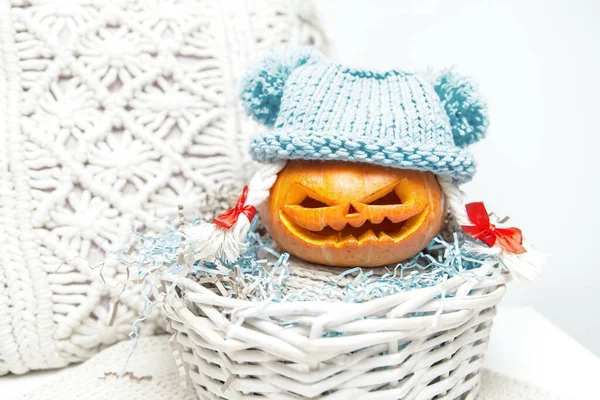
[
  {"x": 367, "y": 236},
  {"x": 357, "y": 222},
  {"x": 337, "y": 225},
  {"x": 348, "y": 239},
  {"x": 375, "y": 217},
  {"x": 333, "y": 240},
  {"x": 385, "y": 237}
]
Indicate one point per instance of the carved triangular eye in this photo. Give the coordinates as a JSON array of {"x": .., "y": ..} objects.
[
  {"x": 309, "y": 202},
  {"x": 299, "y": 195},
  {"x": 389, "y": 199}
]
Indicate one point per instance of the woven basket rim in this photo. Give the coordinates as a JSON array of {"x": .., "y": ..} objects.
[
  {"x": 234, "y": 347},
  {"x": 201, "y": 294}
]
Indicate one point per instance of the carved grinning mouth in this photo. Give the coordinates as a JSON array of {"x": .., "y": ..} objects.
[
  {"x": 388, "y": 215},
  {"x": 369, "y": 229},
  {"x": 385, "y": 231}
]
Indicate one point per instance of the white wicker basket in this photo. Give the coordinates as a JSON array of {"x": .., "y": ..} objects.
[{"x": 421, "y": 344}]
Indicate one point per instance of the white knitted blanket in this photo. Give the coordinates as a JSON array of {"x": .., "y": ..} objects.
[
  {"x": 112, "y": 113},
  {"x": 151, "y": 374}
]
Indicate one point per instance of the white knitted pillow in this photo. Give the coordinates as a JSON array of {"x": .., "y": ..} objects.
[{"x": 112, "y": 113}]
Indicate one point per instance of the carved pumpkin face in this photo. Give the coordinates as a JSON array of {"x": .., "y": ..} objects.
[{"x": 351, "y": 214}]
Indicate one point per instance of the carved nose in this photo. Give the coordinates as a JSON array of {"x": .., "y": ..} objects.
[
  {"x": 354, "y": 217},
  {"x": 351, "y": 210}
]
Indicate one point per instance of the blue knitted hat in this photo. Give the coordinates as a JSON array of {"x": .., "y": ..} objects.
[{"x": 319, "y": 110}]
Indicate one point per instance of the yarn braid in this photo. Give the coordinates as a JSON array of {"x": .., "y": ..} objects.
[
  {"x": 526, "y": 266},
  {"x": 213, "y": 241}
]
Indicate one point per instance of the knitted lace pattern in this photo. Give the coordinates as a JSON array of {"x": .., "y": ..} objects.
[{"x": 112, "y": 113}]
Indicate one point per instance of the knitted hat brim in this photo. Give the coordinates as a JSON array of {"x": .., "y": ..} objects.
[{"x": 340, "y": 146}]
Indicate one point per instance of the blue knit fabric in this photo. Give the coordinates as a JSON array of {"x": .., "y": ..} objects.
[{"x": 324, "y": 111}]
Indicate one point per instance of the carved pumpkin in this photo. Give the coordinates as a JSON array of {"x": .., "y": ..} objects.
[{"x": 352, "y": 214}]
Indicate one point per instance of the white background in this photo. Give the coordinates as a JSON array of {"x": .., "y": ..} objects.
[{"x": 538, "y": 65}]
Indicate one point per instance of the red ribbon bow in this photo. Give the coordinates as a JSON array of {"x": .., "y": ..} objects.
[
  {"x": 230, "y": 217},
  {"x": 510, "y": 239}
]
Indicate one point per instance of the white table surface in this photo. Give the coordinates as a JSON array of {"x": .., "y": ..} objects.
[{"x": 524, "y": 345}]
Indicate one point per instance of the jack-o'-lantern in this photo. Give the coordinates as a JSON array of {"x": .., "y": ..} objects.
[
  {"x": 355, "y": 156},
  {"x": 353, "y": 214}
]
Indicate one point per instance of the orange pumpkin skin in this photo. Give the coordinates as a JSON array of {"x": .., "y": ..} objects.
[{"x": 352, "y": 214}]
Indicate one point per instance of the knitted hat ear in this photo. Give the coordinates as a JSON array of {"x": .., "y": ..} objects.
[
  {"x": 262, "y": 86},
  {"x": 464, "y": 106}
]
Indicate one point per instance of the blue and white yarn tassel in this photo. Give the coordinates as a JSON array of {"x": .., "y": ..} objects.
[
  {"x": 523, "y": 267},
  {"x": 212, "y": 241}
]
